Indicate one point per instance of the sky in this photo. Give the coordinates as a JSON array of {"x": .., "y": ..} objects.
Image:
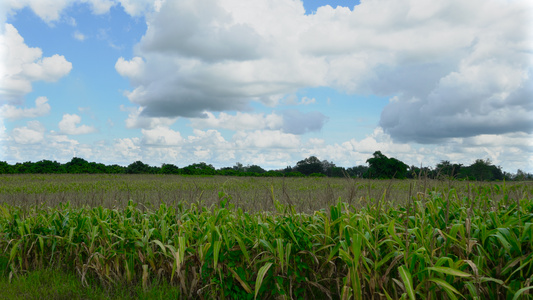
[{"x": 267, "y": 82}]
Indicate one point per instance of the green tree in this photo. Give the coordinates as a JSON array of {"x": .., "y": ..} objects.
[
  {"x": 115, "y": 169},
  {"x": 358, "y": 171},
  {"x": 199, "y": 169},
  {"x": 309, "y": 166},
  {"x": 169, "y": 169},
  {"x": 447, "y": 169},
  {"x": 46, "y": 167},
  {"x": 23, "y": 168},
  {"x": 138, "y": 167},
  {"x": 482, "y": 170},
  {"x": 77, "y": 165},
  {"x": 380, "y": 166},
  {"x": 238, "y": 167},
  {"x": 6, "y": 168},
  {"x": 255, "y": 169}
]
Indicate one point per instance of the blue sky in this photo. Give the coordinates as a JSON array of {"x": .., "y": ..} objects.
[{"x": 266, "y": 82}]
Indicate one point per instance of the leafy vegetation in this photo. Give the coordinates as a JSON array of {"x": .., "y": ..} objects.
[
  {"x": 379, "y": 166},
  {"x": 390, "y": 239},
  {"x": 384, "y": 167}
]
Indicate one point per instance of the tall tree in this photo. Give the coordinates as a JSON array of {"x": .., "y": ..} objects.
[
  {"x": 447, "y": 169},
  {"x": 199, "y": 169},
  {"x": 358, "y": 171},
  {"x": 138, "y": 167},
  {"x": 380, "y": 166},
  {"x": 482, "y": 170},
  {"x": 77, "y": 165},
  {"x": 309, "y": 166},
  {"x": 169, "y": 169}
]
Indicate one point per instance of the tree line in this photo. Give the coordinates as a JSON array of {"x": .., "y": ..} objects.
[{"x": 378, "y": 166}]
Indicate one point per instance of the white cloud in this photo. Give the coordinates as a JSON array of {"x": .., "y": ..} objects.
[
  {"x": 79, "y": 36},
  {"x": 161, "y": 136},
  {"x": 3, "y": 130},
  {"x": 267, "y": 148},
  {"x": 139, "y": 7},
  {"x": 100, "y": 7},
  {"x": 289, "y": 121},
  {"x": 50, "y": 10},
  {"x": 239, "y": 121},
  {"x": 22, "y": 65},
  {"x": 33, "y": 133},
  {"x": 447, "y": 54},
  {"x": 293, "y": 100},
  {"x": 68, "y": 125},
  {"x": 136, "y": 120},
  {"x": 267, "y": 139},
  {"x": 132, "y": 69},
  {"x": 12, "y": 112},
  {"x": 47, "y": 10}
]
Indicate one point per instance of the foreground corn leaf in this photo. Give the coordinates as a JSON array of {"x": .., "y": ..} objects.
[
  {"x": 449, "y": 271},
  {"x": 260, "y": 276},
  {"x": 407, "y": 282}
]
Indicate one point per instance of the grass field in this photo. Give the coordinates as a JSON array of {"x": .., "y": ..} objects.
[{"x": 155, "y": 236}]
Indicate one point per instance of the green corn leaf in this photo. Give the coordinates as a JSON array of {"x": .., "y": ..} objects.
[
  {"x": 244, "y": 284},
  {"x": 473, "y": 290},
  {"x": 449, "y": 271},
  {"x": 345, "y": 256},
  {"x": 163, "y": 248},
  {"x": 242, "y": 246},
  {"x": 443, "y": 261},
  {"x": 41, "y": 243},
  {"x": 280, "y": 252},
  {"x": 260, "y": 276},
  {"x": 448, "y": 288},
  {"x": 14, "y": 250},
  {"x": 520, "y": 291},
  {"x": 267, "y": 245},
  {"x": 216, "y": 251},
  {"x": 356, "y": 249},
  {"x": 490, "y": 279},
  {"x": 407, "y": 282},
  {"x": 288, "y": 249}
]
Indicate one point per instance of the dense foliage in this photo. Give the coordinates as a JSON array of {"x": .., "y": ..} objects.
[
  {"x": 379, "y": 167},
  {"x": 440, "y": 243}
]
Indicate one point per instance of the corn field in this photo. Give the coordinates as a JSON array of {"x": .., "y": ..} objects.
[{"x": 378, "y": 240}]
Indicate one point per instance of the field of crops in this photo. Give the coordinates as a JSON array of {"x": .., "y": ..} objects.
[{"x": 264, "y": 238}]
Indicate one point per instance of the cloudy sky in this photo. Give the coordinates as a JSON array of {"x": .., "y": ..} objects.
[{"x": 267, "y": 82}]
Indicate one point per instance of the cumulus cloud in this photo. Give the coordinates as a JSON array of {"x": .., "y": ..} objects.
[
  {"x": 289, "y": 121},
  {"x": 69, "y": 125},
  {"x": 267, "y": 148},
  {"x": 100, "y": 6},
  {"x": 47, "y": 10},
  {"x": 32, "y": 133},
  {"x": 161, "y": 136},
  {"x": 490, "y": 96},
  {"x": 219, "y": 58},
  {"x": 3, "y": 130},
  {"x": 265, "y": 139},
  {"x": 239, "y": 121},
  {"x": 136, "y": 120},
  {"x": 50, "y": 10},
  {"x": 138, "y": 7},
  {"x": 22, "y": 65},
  {"x": 444, "y": 62},
  {"x": 13, "y": 113}
]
